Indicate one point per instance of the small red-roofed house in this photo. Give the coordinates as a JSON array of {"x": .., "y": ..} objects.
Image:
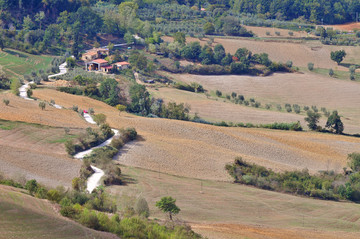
[
  {"x": 122, "y": 65},
  {"x": 96, "y": 65}
]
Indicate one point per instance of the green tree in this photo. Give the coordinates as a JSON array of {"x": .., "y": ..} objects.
[
  {"x": 109, "y": 91},
  {"x": 354, "y": 161},
  {"x": 167, "y": 205},
  {"x": 219, "y": 53},
  {"x": 70, "y": 62},
  {"x": 42, "y": 105},
  {"x": 338, "y": 56},
  {"x": 39, "y": 17},
  {"x": 312, "y": 119},
  {"x": 99, "y": 119},
  {"x": 6, "y": 102},
  {"x": 334, "y": 122},
  {"x": 140, "y": 100},
  {"x": 32, "y": 186},
  {"x": 209, "y": 28},
  {"x": 180, "y": 38}
]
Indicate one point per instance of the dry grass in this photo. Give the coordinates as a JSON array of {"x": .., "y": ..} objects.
[
  {"x": 346, "y": 27},
  {"x": 37, "y": 152},
  {"x": 303, "y": 89},
  {"x": 29, "y": 111},
  {"x": 201, "y": 151},
  {"x": 28, "y": 217},
  {"x": 244, "y": 212},
  {"x": 284, "y": 33}
]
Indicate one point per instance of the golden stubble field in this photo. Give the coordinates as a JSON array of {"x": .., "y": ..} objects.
[
  {"x": 293, "y": 88},
  {"x": 231, "y": 211},
  {"x": 201, "y": 151}
]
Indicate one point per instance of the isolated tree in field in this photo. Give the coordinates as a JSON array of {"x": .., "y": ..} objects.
[
  {"x": 120, "y": 108},
  {"x": 338, "y": 56},
  {"x": 29, "y": 93},
  {"x": 167, "y": 205},
  {"x": 42, "y": 105},
  {"x": 312, "y": 119},
  {"x": 6, "y": 102},
  {"x": 335, "y": 122},
  {"x": 331, "y": 73},
  {"x": 180, "y": 38}
]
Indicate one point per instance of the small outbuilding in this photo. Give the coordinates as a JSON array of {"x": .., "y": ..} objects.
[
  {"x": 122, "y": 65},
  {"x": 96, "y": 65}
]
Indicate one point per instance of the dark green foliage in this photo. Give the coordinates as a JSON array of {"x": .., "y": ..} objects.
[
  {"x": 334, "y": 122},
  {"x": 109, "y": 91},
  {"x": 218, "y": 93},
  {"x": 354, "y": 161},
  {"x": 31, "y": 186},
  {"x": 232, "y": 27},
  {"x": 71, "y": 90},
  {"x": 338, "y": 56},
  {"x": 312, "y": 119},
  {"x": 180, "y": 38},
  {"x": 140, "y": 100},
  {"x": 209, "y": 28},
  {"x": 297, "y": 182},
  {"x": 310, "y": 66},
  {"x": 167, "y": 205}
]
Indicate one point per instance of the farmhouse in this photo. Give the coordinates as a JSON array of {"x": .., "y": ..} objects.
[
  {"x": 97, "y": 65},
  {"x": 94, "y": 54},
  {"x": 122, "y": 65}
]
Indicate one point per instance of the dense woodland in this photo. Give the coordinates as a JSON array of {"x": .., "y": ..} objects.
[{"x": 52, "y": 26}]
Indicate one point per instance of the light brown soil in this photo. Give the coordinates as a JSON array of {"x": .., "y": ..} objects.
[
  {"x": 284, "y": 33},
  {"x": 29, "y": 217},
  {"x": 29, "y": 111},
  {"x": 201, "y": 151},
  {"x": 28, "y": 152},
  {"x": 303, "y": 89},
  {"x": 225, "y": 210},
  {"x": 346, "y": 27}
]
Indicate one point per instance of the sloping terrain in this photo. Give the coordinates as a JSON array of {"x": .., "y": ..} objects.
[
  {"x": 303, "y": 89},
  {"x": 29, "y": 111},
  {"x": 30, "y": 151},
  {"x": 23, "y": 216},
  {"x": 201, "y": 151},
  {"x": 232, "y": 211}
]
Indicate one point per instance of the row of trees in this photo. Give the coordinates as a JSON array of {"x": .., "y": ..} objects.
[{"x": 333, "y": 122}]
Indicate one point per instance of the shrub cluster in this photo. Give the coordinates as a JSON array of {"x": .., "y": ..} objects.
[{"x": 324, "y": 185}]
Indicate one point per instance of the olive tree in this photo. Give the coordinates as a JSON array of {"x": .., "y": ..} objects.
[{"x": 167, "y": 205}]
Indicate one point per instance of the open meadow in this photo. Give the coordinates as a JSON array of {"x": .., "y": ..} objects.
[
  {"x": 16, "y": 63},
  {"x": 244, "y": 212},
  {"x": 28, "y": 217}
]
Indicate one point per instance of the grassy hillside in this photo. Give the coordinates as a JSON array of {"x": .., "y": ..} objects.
[
  {"x": 280, "y": 215},
  {"x": 28, "y": 217},
  {"x": 17, "y": 63}
]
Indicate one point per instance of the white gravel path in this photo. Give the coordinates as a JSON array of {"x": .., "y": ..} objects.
[
  {"x": 23, "y": 91},
  {"x": 63, "y": 70}
]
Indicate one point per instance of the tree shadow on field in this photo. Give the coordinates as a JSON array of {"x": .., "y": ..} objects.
[
  {"x": 127, "y": 179},
  {"x": 347, "y": 65}
]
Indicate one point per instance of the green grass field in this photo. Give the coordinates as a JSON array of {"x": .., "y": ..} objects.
[{"x": 17, "y": 63}]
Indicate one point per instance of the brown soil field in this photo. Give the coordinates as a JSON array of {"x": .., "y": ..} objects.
[
  {"x": 345, "y": 27},
  {"x": 29, "y": 111},
  {"x": 299, "y": 53},
  {"x": 261, "y": 32},
  {"x": 37, "y": 152},
  {"x": 28, "y": 217},
  {"x": 201, "y": 151},
  {"x": 217, "y": 109},
  {"x": 303, "y": 89},
  {"x": 244, "y": 212}
]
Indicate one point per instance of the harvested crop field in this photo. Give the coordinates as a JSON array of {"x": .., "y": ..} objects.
[
  {"x": 217, "y": 109},
  {"x": 201, "y": 151},
  {"x": 29, "y": 111},
  {"x": 303, "y": 89},
  {"x": 346, "y": 27},
  {"x": 242, "y": 208},
  {"x": 28, "y": 217},
  {"x": 284, "y": 33},
  {"x": 36, "y": 152},
  {"x": 300, "y": 53}
]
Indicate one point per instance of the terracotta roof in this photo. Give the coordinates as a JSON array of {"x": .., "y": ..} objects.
[
  {"x": 100, "y": 61},
  {"x": 122, "y": 63},
  {"x": 107, "y": 67}
]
